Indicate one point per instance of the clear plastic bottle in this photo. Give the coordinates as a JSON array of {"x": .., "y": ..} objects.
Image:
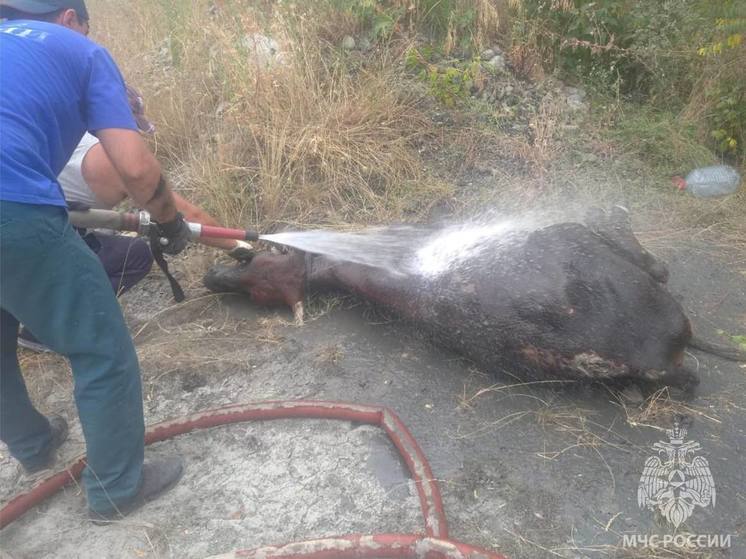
[{"x": 708, "y": 182}]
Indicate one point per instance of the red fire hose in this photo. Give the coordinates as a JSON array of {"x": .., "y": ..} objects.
[
  {"x": 436, "y": 542},
  {"x": 376, "y": 546}
]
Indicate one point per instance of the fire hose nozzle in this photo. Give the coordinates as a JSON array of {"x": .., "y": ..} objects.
[{"x": 200, "y": 231}]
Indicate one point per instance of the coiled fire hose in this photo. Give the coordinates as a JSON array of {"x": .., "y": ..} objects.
[{"x": 434, "y": 543}]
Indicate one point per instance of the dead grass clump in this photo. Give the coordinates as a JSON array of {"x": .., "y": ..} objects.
[
  {"x": 453, "y": 24},
  {"x": 329, "y": 355},
  {"x": 545, "y": 125},
  {"x": 273, "y": 127},
  {"x": 660, "y": 409},
  {"x": 486, "y": 15}
]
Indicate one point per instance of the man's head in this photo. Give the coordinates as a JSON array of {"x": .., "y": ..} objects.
[{"x": 68, "y": 13}]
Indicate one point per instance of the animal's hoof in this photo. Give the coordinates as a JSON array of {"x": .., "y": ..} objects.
[
  {"x": 679, "y": 377},
  {"x": 298, "y": 313}
]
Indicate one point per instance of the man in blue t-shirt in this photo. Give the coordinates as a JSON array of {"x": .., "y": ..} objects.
[{"x": 55, "y": 85}]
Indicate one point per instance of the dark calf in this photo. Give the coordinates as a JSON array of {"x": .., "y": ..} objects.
[{"x": 565, "y": 301}]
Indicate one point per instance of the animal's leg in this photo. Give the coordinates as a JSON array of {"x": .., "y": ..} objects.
[
  {"x": 298, "y": 313},
  {"x": 615, "y": 228}
]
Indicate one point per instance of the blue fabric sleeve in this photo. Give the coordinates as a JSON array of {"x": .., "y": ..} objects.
[{"x": 106, "y": 98}]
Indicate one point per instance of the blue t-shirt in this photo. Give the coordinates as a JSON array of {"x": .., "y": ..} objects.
[{"x": 54, "y": 85}]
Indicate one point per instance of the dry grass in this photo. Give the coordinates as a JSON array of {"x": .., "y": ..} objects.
[
  {"x": 309, "y": 136},
  {"x": 46, "y": 374},
  {"x": 545, "y": 145},
  {"x": 329, "y": 355},
  {"x": 322, "y": 137},
  {"x": 486, "y": 22}
]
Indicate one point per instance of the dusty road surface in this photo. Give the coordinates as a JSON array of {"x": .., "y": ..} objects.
[{"x": 529, "y": 470}]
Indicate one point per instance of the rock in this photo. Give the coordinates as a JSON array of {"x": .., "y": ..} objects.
[
  {"x": 348, "y": 43},
  {"x": 575, "y": 98},
  {"x": 497, "y": 62},
  {"x": 222, "y": 108},
  {"x": 488, "y": 54},
  {"x": 165, "y": 53},
  {"x": 364, "y": 44},
  {"x": 263, "y": 49}
]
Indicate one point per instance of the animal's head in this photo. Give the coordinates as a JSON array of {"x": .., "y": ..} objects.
[
  {"x": 268, "y": 278},
  {"x": 615, "y": 228}
]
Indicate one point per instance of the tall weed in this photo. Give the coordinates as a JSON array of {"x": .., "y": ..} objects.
[
  {"x": 453, "y": 24},
  {"x": 673, "y": 54},
  {"x": 304, "y": 135}
]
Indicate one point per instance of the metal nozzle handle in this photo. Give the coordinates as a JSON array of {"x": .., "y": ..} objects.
[{"x": 109, "y": 219}]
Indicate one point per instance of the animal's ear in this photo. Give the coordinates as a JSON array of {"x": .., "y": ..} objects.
[
  {"x": 243, "y": 253},
  {"x": 620, "y": 216},
  {"x": 594, "y": 216}
]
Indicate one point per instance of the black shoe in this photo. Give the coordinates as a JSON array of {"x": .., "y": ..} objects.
[
  {"x": 27, "y": 340},
  {"x": 158, "y": 477},
  {"x": 58, "y": 425}
]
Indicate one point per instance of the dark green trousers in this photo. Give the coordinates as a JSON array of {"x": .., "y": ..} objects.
[{"x": 54, "y": 284}]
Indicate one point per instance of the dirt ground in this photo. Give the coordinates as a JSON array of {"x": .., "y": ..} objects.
[{"x": 529, "y": 470}]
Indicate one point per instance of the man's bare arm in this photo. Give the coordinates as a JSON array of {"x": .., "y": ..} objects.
[
  {"x": 106, "y": 184},
  {"x": 102, "y": 178},
  {"x": 198, "y": 215},
  {"x": 140, "y": 172}
]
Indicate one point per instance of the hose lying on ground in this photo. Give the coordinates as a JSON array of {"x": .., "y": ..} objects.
[
  {"x": 434, "y": 544},
  {"x": 375, "y": 546}
]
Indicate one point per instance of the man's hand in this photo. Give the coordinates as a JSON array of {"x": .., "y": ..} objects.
[{"x": 176, "y": 232}]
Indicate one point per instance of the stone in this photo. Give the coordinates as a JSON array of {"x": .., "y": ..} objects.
[
  {"x": 488, "y": 54},
  {"x": 497, "y": 62},
  {"x": 575, "y": 98},
  {"x": 263, "y": 49},
  {"x": 348, "y": 43}
]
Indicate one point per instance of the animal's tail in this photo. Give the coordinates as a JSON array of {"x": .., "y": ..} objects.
[{"x": 726, "y": 352}]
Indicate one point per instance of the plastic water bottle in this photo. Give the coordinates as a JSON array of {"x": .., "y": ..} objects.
[{"x": 709, "y": 182}]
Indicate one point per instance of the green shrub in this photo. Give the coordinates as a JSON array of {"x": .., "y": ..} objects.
[
  {"x": 673, "y": 54},
  {"x": 448, "y": 83},
  {"x": 725, "y": 90},
  {"x": 727, "y": 116},
  {"x": 661, "y": 138},
  {"x": 463, "y": 24}
]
